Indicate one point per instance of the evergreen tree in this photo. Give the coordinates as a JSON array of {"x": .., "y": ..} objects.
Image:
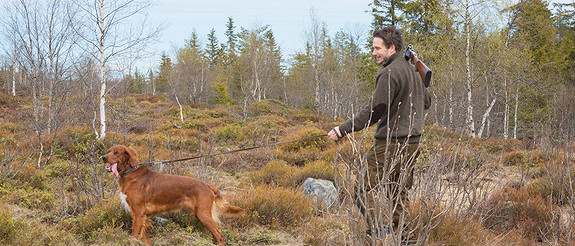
[
  {"x": 136, "y": 83},
  {"x": 532, "y": 26},
  {"x": 192, "y": 71},
  {"x": 257, "y": 65},
  {"x": 166, "y": 68},
  {"x": 232, "y": 37},
  {"x": 427, "y": 18},
  {"x": 213, "y": 50},
  {"x": 152, "y": 81},
  {"x": 566, "y": 36},
  {"x": 386, "y": 12},
  {"x": 220, "y": 94},
  {"x": 193, "y": 44}
]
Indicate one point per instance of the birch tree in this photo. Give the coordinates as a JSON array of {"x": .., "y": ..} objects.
[
  {"x": 41, "y": 35},
  {"x": 315, "y": 36},
  {"x": 257, "y": 65},
  {"x": 191, "y": 69},
  {"x": 112, "y": 30}
]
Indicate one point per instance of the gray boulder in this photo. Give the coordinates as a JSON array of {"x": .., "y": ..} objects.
[{"x": 323, "y": 190}]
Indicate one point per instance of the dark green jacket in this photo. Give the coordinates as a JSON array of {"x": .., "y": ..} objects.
[{"x": 397, "y": 103}]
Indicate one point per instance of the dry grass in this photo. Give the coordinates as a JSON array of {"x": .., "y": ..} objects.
[
  {"x": 271, "y": 206},
  {"x": 460, "y": 196},
  {"x": 512, "y": 209},
  {"x": 277, "y": 172}
]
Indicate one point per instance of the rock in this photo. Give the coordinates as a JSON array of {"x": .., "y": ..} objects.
[
  {"x": 323, "y": 190},
  {"x": 161, "y": 221}
]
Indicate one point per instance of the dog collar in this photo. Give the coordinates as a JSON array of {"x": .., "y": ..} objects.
[{"x": 148, "y": 164}]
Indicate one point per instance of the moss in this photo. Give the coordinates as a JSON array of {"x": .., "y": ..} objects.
[{"x": 8, "y": 227}]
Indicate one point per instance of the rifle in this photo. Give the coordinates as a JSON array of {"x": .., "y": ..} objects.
[{"x": 420, "y": 67}]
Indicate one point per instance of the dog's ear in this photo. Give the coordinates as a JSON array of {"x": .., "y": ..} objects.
[{"x": 132, "y": 157}]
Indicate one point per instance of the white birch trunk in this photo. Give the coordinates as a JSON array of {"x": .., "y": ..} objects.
[
  {"x": 485, "y": 117},
  {"x": 202, "y": 85},
  {"x": 469, "y": 117},
  {"x": 450, "y": 106},
  {"x": 14, "y": 72},
  {"x": 181, "y": 109},
  {"x": 102, "y": 74},
  {"x": 153, "y": 86},
  {"x": 257, "y": 94},
  {"x": 102, "y": 104},
  {"x": 515, "y": 114},
  {"x": 506, "y": 112}
]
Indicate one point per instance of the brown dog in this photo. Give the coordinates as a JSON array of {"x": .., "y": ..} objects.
[{"x": 148, "y": 192}]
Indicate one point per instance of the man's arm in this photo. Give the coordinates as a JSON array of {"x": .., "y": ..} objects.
[
  {"x": 334, "y": 134},
  {"x": 373, "y": 111}
]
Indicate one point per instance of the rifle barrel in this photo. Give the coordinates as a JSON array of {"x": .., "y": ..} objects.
[{"x": 420, "y": 67}]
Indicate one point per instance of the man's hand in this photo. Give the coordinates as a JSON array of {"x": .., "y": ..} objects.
[{"x": 334, "y": 134}]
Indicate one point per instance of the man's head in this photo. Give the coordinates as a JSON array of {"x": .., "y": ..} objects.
[{"x": 386, "y": 42}]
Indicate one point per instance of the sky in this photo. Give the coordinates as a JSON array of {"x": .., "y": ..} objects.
[{"x": 288, "y": 19}]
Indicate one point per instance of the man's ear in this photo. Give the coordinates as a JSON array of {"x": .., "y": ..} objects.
[{"x": 132, "y": 157}]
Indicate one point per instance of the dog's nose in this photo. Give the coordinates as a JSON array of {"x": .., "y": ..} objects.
[{"x": 104, "y": 158}]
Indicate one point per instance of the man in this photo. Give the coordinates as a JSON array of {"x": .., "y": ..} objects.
[{"x": 398, "y": 104}]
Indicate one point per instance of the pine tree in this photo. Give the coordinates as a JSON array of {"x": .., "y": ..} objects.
[
  {"x": 166, "y": 68},
  {"x": 213, "y": 50},
  {"x": 386, "y": 12},
  {"x": 532, "y": 26},
  {"x": 232, "y": 37},
  {"x": 566, "y": 36}
]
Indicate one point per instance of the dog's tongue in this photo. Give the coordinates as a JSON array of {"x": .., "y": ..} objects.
[{"x": 113, "y": 168}]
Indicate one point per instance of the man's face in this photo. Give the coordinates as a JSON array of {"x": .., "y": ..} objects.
[{"x": 380, "y": 52}]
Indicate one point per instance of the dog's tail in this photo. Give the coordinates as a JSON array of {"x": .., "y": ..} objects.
[{"x": 222, "y": 207}]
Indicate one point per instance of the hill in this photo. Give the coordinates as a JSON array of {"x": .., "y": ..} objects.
[{"x": 54, "y": 190}]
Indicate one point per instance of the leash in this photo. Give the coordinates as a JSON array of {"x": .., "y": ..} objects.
[{"x": 149, "y": 164}]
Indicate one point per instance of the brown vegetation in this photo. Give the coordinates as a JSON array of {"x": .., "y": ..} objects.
[{"x": 466, "y": 191}]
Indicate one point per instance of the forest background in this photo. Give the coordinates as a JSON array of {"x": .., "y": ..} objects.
[
  {"x": 490, "y": 79},
  {"x": 68, "y": 81}
]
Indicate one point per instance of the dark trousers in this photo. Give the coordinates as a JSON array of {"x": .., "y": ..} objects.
[{"x": 389, "y": 176}]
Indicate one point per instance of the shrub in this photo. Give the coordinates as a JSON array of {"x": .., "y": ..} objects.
[
  {"x": 106, "y": 214},
  {"x": 193, "y": 124},
  {"x": 32, "y": 176},
  {"x": 554, "y": 183},
  {"x": 264, "y": 126},
  {"x": 229, "y": 133},
  {"x": 300, "y": 157},
  {"x": 9, "y": 128},
  {"x": 58, "y": 168},
  {"x": 517, "y": 209},
  {"x": 438, "y": 133},
  {"x": 7, "y": 225},
  {"x": 174, "y": 234},
  {"x": 494, "y": 145},
  {"x": 38, "y": 233},
  {"x": 513, "y": 158},
  {"x": 317, "y": 169},
  {"x": 321, "y": 232},
  {"x": 107, "y": 234},
  {"x": 434, "y": 224},
  {"x": 276, "y": 172},
  {"x": 299, "y": 143},
  {"x": 268, "y": 106},
  {"x": 74, "y": 140},
  {"x": 522, "y": 158},
  {"x": 301, "y": 116},
  {"x": 272, "y": 206},
  {"x": 29, "y": 197}
]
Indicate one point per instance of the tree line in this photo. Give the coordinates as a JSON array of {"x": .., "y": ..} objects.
[{"x": 500, "y": 70}]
